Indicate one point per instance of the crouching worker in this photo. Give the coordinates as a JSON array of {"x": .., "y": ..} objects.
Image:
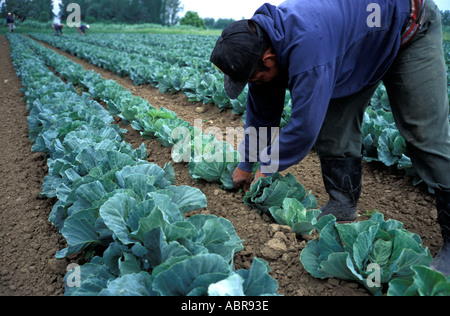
[
  {"x": 58, "y": 29},
  {"x": 332, "y": 61},
  {"x": 82, "y": 29}
]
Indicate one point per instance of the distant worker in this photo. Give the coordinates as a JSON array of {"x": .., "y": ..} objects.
[
  {"x": 10, "y": 22},
  {"x": 58, "y": 29},
  {"x": 82, "y": 29}
]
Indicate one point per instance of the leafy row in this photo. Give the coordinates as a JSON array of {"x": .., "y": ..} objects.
[
  {"x": 166, "y": 65},
  {"x": 151, "y": 122},
  {"x": 110, "y": 198},
  {"x": 165, "y": 62},
  {"x": 171, "y": 48},
  {"x": 291, "y": 212},
  {"x": 204, "y": 84}
]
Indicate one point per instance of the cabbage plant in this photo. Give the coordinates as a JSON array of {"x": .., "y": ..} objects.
[
  {"x": 425, "y": 282},
  {"x": 294, "y": 214},
  {"x": 271, "y": 191},
  {"x": 371, "y": 252}
]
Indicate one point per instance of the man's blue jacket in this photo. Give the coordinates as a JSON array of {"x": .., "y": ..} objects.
[{"x": 327, "y": 49}]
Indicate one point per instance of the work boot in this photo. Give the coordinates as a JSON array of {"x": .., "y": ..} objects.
[
  {"x": 441, "y": 262},
  {"x": 342, "y": 180}
]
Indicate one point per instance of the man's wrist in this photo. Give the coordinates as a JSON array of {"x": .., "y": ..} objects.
[{"x": 246, "y": 166}]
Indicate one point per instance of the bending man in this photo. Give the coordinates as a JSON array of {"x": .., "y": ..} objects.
[{"x": 332, "y": 55}]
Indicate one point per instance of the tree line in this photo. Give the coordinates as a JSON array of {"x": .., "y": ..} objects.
[
  {"x": 193, "y": 19},
  {"x": 446, "y": 18},
  {"x": 164, "y": 12},
  {"x": 41, "y": 10}
]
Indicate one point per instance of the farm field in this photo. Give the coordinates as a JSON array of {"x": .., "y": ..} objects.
[{"x": 29, "y": 241}]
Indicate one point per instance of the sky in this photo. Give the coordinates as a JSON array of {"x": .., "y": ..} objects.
[
  {"x": 238, "y": 9},
  {"x": 234, "y": 9},
  {"x": 443, "y": 5}
]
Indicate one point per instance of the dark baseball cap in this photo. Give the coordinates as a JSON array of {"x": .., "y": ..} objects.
[{"x": 236, "y": 54}]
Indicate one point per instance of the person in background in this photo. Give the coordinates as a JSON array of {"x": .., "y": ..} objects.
[
  {"x": 58, "y": 29},
  {"x": 332, "y": 55},
  {"x": 10, "y": 22},
  {"x": 82, "y": 29}
]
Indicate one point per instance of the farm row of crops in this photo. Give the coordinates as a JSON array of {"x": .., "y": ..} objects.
[
  {"x": 99, "y": 192},
  {"x": 170, "y": 68},
  {"x": 171, "y": 64},
  {"x": 109, "y": 195}
]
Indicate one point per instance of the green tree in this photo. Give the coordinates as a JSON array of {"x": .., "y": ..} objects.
[
  {"x": 445, "y": 17},
  {"x": 192, "y": 18},
  {"x": 129, "y": 11},
  {"x": 209, "y": 22},
  {"x": 172, "y": 8},
  {"x": 220, "y": 24},
  {"x": 223, "y": 23},
  {"x": 41, "y": 10}
]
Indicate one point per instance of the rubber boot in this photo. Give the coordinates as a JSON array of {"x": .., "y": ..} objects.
[
  {"x": 342, "y": 180},
  {"x": 441, "y": 262}
]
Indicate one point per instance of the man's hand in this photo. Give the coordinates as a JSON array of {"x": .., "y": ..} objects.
[
  {"x": 242, "y": 179},
  {"x": 258, "y": 175}
]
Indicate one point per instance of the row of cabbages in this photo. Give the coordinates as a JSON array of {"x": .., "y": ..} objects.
[{"x": 124, "y": 211}]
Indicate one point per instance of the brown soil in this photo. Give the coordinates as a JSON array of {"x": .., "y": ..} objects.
[{"x": 28, "y": 241}]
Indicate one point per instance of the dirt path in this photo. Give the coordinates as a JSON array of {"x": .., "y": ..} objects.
[{"x": 28, "y": 242}]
